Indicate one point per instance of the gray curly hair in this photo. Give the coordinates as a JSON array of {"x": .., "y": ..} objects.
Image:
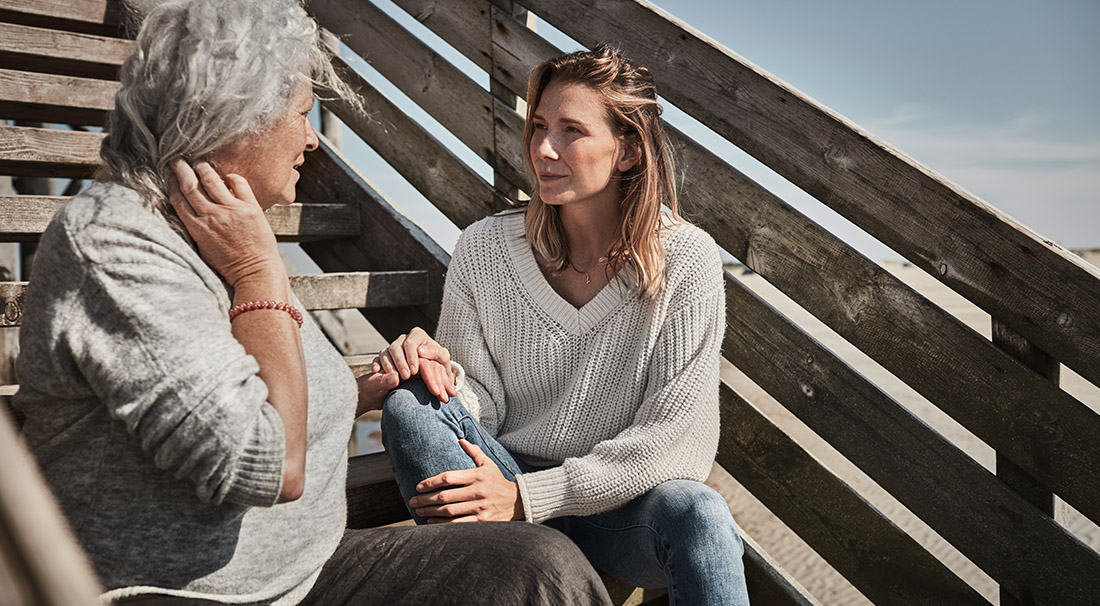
[{"x": 204, "y": 74}]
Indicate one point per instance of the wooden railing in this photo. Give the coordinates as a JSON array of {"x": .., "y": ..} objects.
[{"x": 1005, "y": 390}]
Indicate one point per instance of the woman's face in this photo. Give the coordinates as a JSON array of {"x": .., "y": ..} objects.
[
  {"x": 575, "y": 153},
  {"x": 269, "y": 160}
]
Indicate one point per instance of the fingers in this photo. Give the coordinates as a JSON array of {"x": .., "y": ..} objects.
[
  {"x": 395, "y": 356},
  {"x": 183, "y": 185},
  {"x": 451, "y": 520},
  {"x": 461, "y": 477},
  {"x": 240, "y": 188},
  {"x": 480, "y": 458},
  {"x": 440, "y": 498},
  {"x": 212, "y": 184}
]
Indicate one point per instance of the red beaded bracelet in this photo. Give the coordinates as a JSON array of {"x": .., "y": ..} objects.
[{"x": 251, "y": 305}]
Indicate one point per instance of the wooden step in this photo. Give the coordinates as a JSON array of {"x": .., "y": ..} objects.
[
  {"x": 316, "y": 291},
  {"x": 52, "y": 98},
  {"x": 99, "y": 17},
  {"x": 23, "y": 219},
  {"x": 51, "y": 51},
  {"x": 46, "y": 152}
]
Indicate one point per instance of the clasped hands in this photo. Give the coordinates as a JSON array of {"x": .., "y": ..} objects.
[{"x": 467, "y": 495}]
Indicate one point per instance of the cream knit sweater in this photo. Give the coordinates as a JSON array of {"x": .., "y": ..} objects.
[{"x": 615, "y": 397}]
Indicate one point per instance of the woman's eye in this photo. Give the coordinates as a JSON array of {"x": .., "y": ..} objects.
[{"x": 540, "y": 126}]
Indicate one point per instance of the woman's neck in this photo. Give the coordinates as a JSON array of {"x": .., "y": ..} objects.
[{"x": 590, "y": 230}]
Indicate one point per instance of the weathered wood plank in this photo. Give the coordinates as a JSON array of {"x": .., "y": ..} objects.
[
  {"x": 45, "y": 152},
  {"x": 361, "y": 289},
  {"x": 100, "y": 17},
  {"x": 52, "y": 98},
  {"x": 57, "y": 52},
  {"x": 459, "y": 193},
  {"x": 1037, "y": 288},
  {"x": 373, "y": 497},
  {"x": 944, "y": 360},
  {"x": 428, "y": 79},
  {"x": 315, "y": 291},
  {"x": 464, "y": 24},
  {"x": 768, "y": 583},
  {"x": 23, "y": 218},
  {"x": 965, "y": 504},
  {"x": 876, "y": 556},
  {"x": 389, "y": 241}
]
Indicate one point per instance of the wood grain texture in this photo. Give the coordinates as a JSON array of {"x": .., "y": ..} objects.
[
  {"x": 1000, "y": 400},
  {"x": 45, "y": 152},
  {"x": 767, "y": 582},
  {"x": 344, "y": 290},
  {"x": 965, "y": 504},
  {"x": 389, "y": 241},
  {"x": 23, "y": 218},
  {"x": 441, "y": 89},
  {"x": 1039, "y": 289},
  {"x": 58, "y": 52},
  {"x": 58, "y": 99},
  {"x": 455, "y": 189},
  {"x": 878, "y": 558}
]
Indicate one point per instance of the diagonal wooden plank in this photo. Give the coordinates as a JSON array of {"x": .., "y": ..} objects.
[
  {"x": 100, "y": 17},
  {"x": 361, "y": 289}
]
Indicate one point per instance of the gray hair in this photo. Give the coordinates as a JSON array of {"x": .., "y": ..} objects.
[{"x": 204, "y": 74}]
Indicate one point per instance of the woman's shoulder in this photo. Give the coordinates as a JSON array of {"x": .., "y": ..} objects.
[
  {"x": 491, "y": 232},
  {"x": 687, "y": 245}
]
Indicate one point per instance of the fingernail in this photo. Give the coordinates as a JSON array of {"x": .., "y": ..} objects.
[{"x": 419, "y": 487}]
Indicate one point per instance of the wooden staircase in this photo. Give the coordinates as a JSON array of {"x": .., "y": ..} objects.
[{"x": 58, "y": 61}]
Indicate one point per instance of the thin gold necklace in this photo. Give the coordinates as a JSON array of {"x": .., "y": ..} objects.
[{"x": 587, "y": 277}]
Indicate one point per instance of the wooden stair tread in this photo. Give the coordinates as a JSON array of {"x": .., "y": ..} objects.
[
  {"x": 24, "y": 218},
  {"x": 316, "y": 291},
  {"x": 54, "y": 98},
  {"x": 99, "y": 17},
  {"x": 52, "y": 51},
  {"x": 46, "y": 152}
]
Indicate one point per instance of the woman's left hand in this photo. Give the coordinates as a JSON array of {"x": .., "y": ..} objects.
[{"x": 481, "y": 494}]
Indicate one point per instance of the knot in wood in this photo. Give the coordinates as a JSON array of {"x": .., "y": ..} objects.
[
  {"x": 809, "y": 360},
  {"x": 12, "y": 313},
  {"x": 1065, "y": 320},
  {"x": 837, "y": 157},
  {"x": 807, "y": 389},
  {"x": 943, "y": 269}
]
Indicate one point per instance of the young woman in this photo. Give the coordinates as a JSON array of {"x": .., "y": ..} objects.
[{"x": 586, "y": 330}]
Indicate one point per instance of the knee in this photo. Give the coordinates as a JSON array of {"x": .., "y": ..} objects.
[
  {"x": 694, "y": 506},
  {"x": 408, "y": 407},
  {"x": 553, "y": 567}
]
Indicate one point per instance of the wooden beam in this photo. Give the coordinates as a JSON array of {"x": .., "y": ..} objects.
[
  {"x": 45, "y": 152},
  {"x": 361, "y": 289},
  {"x": 878, "y": 558},
  {"x": 389, "y": 241},
  {"x": 986, "y": 390},
  {"x": 23, "y": 219},
  {"x": 1039, "y": 289},
  {"x": 965, "y": 504},
  {"x": 66, "y": 53},
  {"x": 99, "y": 17}
]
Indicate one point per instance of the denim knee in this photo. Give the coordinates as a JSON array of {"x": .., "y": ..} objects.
[{"x": 694, "y": 507}]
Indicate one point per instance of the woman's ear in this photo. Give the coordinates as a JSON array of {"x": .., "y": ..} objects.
[{"x": 629, "y": 154}]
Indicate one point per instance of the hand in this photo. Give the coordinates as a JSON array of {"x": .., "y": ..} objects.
[
  {"x": 225, "y": 221},
  {"x": 481, "y": 494},
  {"x": 373, "y": 389},
  {"x": 417, "y": 353}
]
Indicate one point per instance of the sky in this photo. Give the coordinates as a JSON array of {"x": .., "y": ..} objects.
[{"x": 1000, "y": 96}]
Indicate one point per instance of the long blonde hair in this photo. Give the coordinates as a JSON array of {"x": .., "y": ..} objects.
[{"x": 630, "y": 98}]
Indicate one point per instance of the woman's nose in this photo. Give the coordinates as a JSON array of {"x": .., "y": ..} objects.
[
  {"x": 545, "y": 148},
  {"x": 312, "y": 142}
]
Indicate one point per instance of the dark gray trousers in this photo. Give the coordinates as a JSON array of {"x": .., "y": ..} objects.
[{"x": 488, "y": 563}]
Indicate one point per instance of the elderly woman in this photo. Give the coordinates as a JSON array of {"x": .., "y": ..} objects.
[{"x": 190, "y": 421}]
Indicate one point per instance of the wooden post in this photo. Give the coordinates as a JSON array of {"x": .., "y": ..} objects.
[
  {"x": 504, "y": 94},
  {"x": 1035, "y": 493}
]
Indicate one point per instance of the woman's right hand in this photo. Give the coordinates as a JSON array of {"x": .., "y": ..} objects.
[
  {"x": 225, "y": 221},
  {"x": 417, "y": 353}
]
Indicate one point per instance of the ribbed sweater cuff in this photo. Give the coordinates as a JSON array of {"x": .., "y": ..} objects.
[
  {"x": 544, "y": 493},
  {"x": 258, "y": 474}
]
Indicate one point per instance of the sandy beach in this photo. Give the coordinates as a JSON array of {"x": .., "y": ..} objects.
[{"x": 769, "y": 532}]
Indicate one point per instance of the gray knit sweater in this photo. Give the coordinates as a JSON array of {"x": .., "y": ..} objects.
[
  {"x": 151, "y": 425},
  {"x": 622, "y": 393}
]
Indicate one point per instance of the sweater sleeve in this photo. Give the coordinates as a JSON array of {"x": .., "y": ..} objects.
[
  {"x": 674, "y": 434},
  {"x": 151, "y": 340},
  {"x": 480, "y": 388}
]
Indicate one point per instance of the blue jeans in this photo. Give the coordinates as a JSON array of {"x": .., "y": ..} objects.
[{"x": 679, "y": 535}]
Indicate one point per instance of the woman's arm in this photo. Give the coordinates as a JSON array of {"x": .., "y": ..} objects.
[{"x": 235, "y": 239}]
